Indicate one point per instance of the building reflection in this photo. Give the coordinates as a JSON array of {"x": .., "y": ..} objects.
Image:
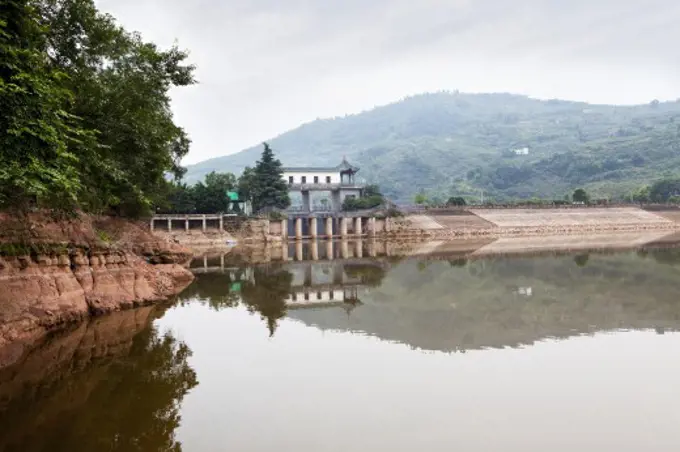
[{"x": 454, "y": 298}]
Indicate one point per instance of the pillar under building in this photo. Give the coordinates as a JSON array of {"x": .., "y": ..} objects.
[
  {"x": 298, "y": 229},
  {"x": 343, "y": 227},
  {"x": 357, "y": 226},
  {"x": 313, "y": 227},
  {"x": 329, "y": 227}
]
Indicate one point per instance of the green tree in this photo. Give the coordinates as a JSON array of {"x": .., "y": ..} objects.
[
  {"x": 120, "y": 87},
  {"x": 663, "y": 190},
  {"x": 211, "y": 196},
  {"x": 420, "y": 198},
  {"x": 456, "y": 201},
  {"x": 246, "y": 183},
  {"x": 580, "y": 195},
  {"x": 35, "y": 128},
  {"x": 269, "y": 189}
]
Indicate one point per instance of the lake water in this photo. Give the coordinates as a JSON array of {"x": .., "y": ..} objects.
[{"x": 543, "y": 353}]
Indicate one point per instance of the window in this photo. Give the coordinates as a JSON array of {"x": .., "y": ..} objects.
[
  {"x": 328, "y": 179},
  {"x": 316, "y": 179},
  {"x": 304, "y": 179},
  {"x": 291, "y": 179}
]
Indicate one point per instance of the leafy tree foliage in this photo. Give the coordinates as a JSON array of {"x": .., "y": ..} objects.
[
  {"x": 36, "y": 131},
  {"x": 86, "y": 117},
  {"x": 209, "y": 196},
  {"x": 663, "y": 190},
  {"x": 268, "y": 189},
  {"x": 580, "y": 195},
  {"x": 456, "y": 201},
  {"x": 370, "y": 198}
]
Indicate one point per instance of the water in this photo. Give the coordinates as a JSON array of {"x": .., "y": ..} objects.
[{"x": 559, "y": 353}]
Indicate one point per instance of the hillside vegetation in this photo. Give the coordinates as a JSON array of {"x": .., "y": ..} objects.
[{"x": 459, "y": 144}]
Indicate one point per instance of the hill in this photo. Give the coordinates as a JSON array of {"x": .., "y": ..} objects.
[{"x": 458, "y": 144}]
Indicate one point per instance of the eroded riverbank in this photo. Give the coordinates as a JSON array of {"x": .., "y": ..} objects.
[{"x": 55, "y": 273}]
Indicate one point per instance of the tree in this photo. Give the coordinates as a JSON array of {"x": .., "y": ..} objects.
[
  {"x": 246, "y": 183},
  {"x": 420, "y": 198},
  {"x": 211, "y": 196},
  {"x": 456, "y": 201},
  {"x": 580, "y": 195},
  {"x": 663, "y": 190},
  {"x": 269, "y": 190},
  {"x": 86, "y": 117},
  {"x": 35, "y": 129}
]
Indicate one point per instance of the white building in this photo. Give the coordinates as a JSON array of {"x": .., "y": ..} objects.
[{"x": 338, "y": 180}]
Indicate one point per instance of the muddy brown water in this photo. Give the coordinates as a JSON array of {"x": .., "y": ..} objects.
[{"x": 544, "y": 352}]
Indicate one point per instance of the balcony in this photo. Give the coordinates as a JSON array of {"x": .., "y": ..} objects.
[{"x": 324, "y": 187}]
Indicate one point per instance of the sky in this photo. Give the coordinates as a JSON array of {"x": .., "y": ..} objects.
[{"x": 267, "y": 66}]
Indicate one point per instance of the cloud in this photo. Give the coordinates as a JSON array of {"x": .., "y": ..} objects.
[{"x": 265, "y": 66}]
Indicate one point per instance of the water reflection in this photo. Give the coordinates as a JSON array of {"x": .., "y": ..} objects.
[
  {"x": 460, "y": 302},
  {"x": 114, "y": 384},
  {"x": 274, "y": 289},
  {"x": 337, "y": 354}
]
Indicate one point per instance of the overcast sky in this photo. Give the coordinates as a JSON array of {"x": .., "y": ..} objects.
[{"x": 267, "y": 66}]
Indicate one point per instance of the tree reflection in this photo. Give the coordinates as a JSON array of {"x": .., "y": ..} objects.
[
  {"x": 582, "y": 260},
  {"x": 126, "y": 401},
  {"x": 218, "y": 290},
  {"x": 267, "y": 294},
  {"x": 669, "y": 256},
  {"x": 369, "y": 275}
]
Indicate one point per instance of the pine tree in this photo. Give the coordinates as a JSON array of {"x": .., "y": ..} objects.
[{"x": 269, "y": 189}]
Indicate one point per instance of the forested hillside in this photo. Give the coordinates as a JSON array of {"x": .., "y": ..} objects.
[{"x": 458, "y": 144}]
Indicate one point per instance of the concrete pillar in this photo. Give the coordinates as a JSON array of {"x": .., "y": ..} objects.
[
  {"x": 315, "y": 250},
  {"x": 338, "y": 274},
  {"x": 298, "y": 229},
  {"x": 329, "y": 250},
  {"x": 313, "y": 227},
  {"x": 221, "y": 223},
  {"x": 343, "y": 227},
  {"x": 371, "y": 227},
  {"x": 357, "y": 226},
  {"x": 205, "y": 262},
  {"x": 372, "y": 249},
  {"x": 151, "y": 225},
  {"x": 186, "y": 224},
  {"x": 222, "y": 262},
  {"x": 387, "y": 224},
  {"x": 309, "y": 280},
  {"x": 169, "y": 225},
  {"x": 284, "y": 229},
  {"x": 298, "y": 251},
  {"x": 284, "y": 252},
  {"x": 205, "y": 224},
  {"x": 344, "y": 249},
  {"x": 329, "y": 227},
  {"x": 359, "y": 249}
]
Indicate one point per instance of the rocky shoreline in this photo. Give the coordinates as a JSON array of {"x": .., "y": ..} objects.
[{"x": 54, "y": 274}]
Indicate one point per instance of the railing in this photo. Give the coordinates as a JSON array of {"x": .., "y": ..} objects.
[{"x": 322, "y": 186}]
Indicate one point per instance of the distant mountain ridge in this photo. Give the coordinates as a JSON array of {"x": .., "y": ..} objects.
[{"x": 510, "y": 146}]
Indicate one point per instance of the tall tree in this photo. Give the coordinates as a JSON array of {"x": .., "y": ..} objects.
[
  {"x": 66, "y": 69},
  {"x": 35, "y": 129},
  {"x": 269, "y": 189}
]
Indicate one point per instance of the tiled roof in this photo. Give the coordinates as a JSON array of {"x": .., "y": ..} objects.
[{"x": 343, "y": 166}]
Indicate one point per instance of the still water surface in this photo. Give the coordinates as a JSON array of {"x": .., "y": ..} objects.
[{"x": 556, "y": 353}]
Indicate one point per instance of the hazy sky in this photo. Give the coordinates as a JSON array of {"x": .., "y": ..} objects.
[{"x": 266, "y": 66}]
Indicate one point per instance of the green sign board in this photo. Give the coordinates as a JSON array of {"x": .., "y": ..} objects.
[{"x": 232, "y": 195}]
